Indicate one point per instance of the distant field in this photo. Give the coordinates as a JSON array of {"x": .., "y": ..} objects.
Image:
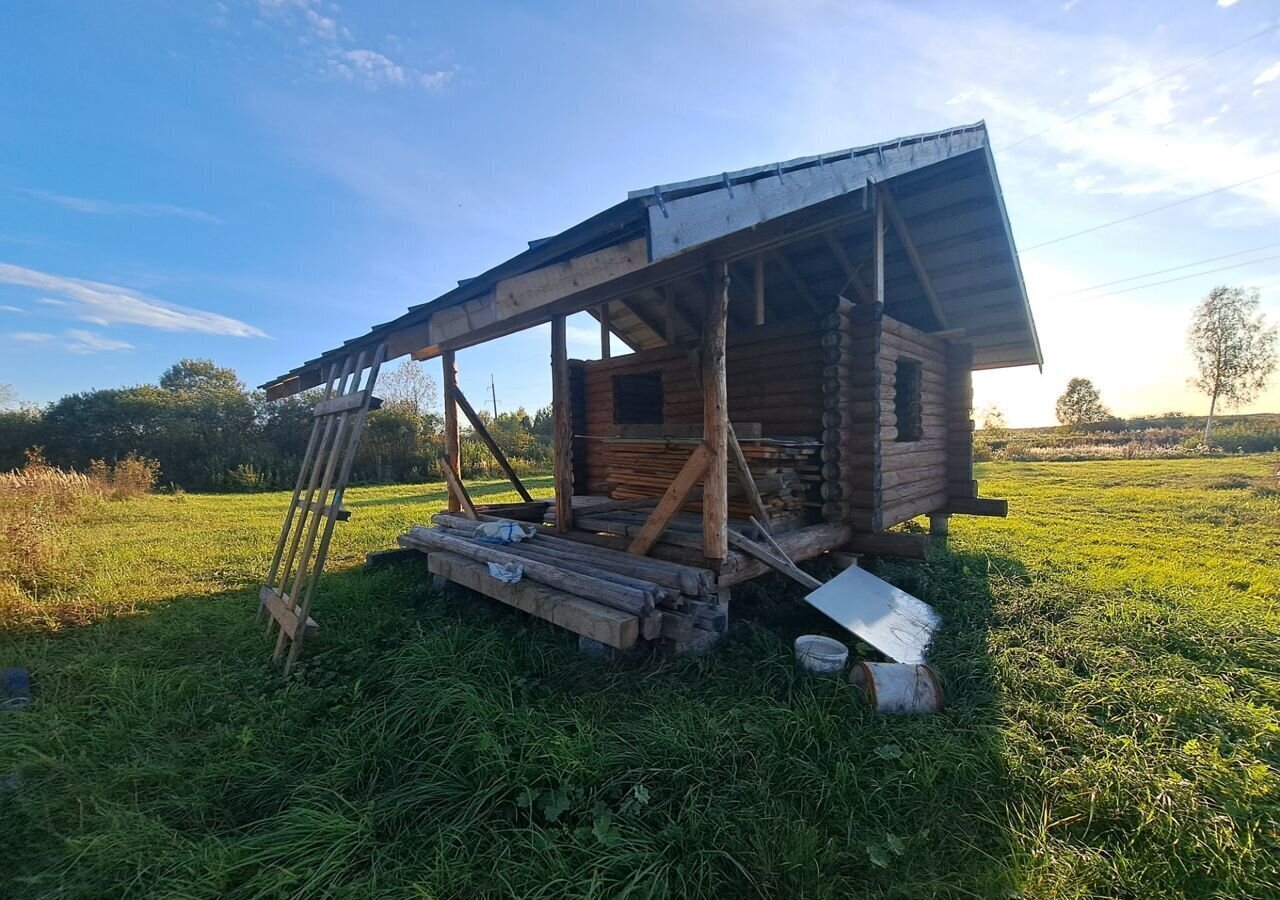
[{"x": 1110, "y": 654}]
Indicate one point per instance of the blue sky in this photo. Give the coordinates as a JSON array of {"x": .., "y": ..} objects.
[{"x": 255, "y": 181}]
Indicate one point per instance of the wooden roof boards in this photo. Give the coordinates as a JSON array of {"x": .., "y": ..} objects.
[{"x": 958, "y": 265}]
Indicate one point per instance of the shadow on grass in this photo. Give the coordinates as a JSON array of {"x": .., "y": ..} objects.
[
  {"x": 438, "y": 495},
  {"x": 449, "y": 746}
]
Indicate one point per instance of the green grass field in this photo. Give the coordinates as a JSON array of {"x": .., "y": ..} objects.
[{"x": 1110, "y": 654}]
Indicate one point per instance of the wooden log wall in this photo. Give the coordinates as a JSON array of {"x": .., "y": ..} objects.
[
  {"x": 774, "y": 374},
  {"x": 851, "y": 487},
  {"x": 914, "y": 473}
]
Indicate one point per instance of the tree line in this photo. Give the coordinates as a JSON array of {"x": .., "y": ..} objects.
[
  {"x": 208, "y": 432},
  {"x": 1234, "y": 349}
]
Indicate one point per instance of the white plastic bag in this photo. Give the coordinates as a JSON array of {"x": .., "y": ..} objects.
[
  {"x": 508, "y": 574},
  {"x": 503, "y": 532}
]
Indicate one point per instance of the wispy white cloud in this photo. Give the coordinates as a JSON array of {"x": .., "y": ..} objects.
[
  {"x": 335, "y": 53},
  {"x": 89, "y": 342},
  {"x": 109, "y": 304},
  {"x": 1225, "y": 3},
  {"x": 31, "y": 337},
  {"x": 12, "y": 309},
  {"x": 111, "y": 208},
  {"x": 1271, "y": 73}
]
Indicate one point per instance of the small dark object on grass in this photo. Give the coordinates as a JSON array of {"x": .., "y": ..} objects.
[{"x": 16, "y": 691}]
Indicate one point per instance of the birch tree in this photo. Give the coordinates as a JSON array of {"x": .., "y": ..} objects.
[{"x": 1233, "y": 347}]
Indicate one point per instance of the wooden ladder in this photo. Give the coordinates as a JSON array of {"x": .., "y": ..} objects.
[{"x": 339, "y": 419}]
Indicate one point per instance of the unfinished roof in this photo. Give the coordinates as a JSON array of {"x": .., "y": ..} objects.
[{"x": 950, "y": 259}]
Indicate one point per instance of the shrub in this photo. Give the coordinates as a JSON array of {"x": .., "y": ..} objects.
[
  {"x": 132, "y": 476},
  {"x": 245, "y": 477}
]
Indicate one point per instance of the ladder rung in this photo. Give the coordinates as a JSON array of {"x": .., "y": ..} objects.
[
  {"x": 343, "y": 514},
  {"x": 278, "y": 606},
  {"x": 345, "y": 403}
]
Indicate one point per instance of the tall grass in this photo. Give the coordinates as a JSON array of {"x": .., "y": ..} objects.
[{"x": 38, "y": 564}]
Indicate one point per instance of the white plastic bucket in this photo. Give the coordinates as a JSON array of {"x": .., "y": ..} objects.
[
  {"x": 821, "y": 655},
  {"x": 897, "y": 688}
]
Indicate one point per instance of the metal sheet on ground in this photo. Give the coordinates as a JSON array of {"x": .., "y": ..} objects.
[{"x": 897, "y": 624}]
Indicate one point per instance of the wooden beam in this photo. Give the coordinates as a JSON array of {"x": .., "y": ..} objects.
[
  {"x": 605, "y": 331},
  {"x": 796, "y": 281},
  {"x": 672, "y": 499},
  {"x": 532, "y": 290},
  {"x": 487, "y": 439},
  {"x": 900, "y": 226},
  {"x": 850, "y": 270},
  {"x": 562, "y": 425},
  {"x": 758, "y": 284},
  {"x": 457, "y": 488},
  {"x": 594, "y": 620},
  {"x": 715, "y": 415},
  {"x": 452, "y": 445},
  {"x": 977, "y": 506}
]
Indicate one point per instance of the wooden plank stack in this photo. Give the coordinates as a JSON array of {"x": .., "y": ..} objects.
[
  {"x": 611, "y": 596},
  {"x": 787, "y": 473}
]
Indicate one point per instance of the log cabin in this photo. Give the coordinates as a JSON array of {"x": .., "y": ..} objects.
[{"x": 802, "y": 337}]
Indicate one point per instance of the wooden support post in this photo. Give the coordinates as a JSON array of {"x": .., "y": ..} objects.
[
  {"x": 562, "y": 425},
  {"x": 487, "y": 439},
  {"x": 672, "y": 499},
  {"x": 877, "y": 251},
  {"x": 715, "y": 416},
  {"x": 939, "y": 524},
  {"x": 452, "y": 445},
  {"x": 758, "y": 280},
  {"x": 605, "y": 333}
]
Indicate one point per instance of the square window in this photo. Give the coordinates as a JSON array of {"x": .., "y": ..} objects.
[
  {"x": 637, "y": 399},
  {"x": 907, "y": 408}
]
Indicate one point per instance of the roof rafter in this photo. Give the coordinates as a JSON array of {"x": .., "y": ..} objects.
[{"x": 904, "y": 236}]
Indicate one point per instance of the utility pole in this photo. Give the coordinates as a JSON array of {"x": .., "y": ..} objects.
[{"x": 494, "y": 392}]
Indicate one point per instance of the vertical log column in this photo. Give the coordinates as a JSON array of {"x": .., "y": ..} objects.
[
  {"x": 715, "y": 416},
  {"x": 562, "y": 425},
  {"x": 959, "y": 400},
  {"x": 451, "y": 441},
  {"x": 854, "y": 416}
]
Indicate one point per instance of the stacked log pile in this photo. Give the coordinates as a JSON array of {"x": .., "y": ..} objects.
[
  {"x": 787, "y": 473},
  {"x": 623, "y": 581},
  {"x": 774, "y": 377}
]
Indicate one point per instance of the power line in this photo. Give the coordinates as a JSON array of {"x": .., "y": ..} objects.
[
  {"x": 1140, "y": 88},
  {"x": 1198, "y": 262},
  {"x": 1183, "y": 277},
  {"x": 1148, "y": 212}
]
